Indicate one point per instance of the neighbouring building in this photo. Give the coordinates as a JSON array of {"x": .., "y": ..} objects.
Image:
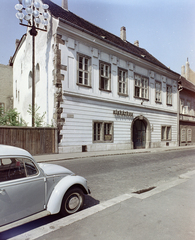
[
  {"x": 6, "y": 89},
  {"x": 187, "y": 112},
  {"x": 101, "y": 91}
]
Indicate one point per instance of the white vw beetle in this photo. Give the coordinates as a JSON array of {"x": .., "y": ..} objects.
[{"x": 29, "y": 190}]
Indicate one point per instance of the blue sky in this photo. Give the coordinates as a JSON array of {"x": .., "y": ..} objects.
[{"x": 165, "y": 28}]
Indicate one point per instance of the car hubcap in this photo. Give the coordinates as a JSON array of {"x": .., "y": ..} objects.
[{"x": 73, "y": 203}]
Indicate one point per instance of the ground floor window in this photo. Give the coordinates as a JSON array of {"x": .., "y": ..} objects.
[
  {"x": 166, "y": 133},
  {"x": 102, "y": 131},
  {"x": 186, "y": 135}
]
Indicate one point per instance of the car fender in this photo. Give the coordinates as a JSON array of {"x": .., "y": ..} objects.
[{"x": 55, "y": 200}]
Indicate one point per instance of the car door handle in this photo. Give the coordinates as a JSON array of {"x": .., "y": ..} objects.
[{"x": 2, "y": 191}]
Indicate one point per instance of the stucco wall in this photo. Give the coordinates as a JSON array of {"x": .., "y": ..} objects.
[{"x": 6, "y": 86}]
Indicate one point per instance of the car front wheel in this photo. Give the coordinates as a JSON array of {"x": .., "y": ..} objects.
[{"x": 72, "y": 202}]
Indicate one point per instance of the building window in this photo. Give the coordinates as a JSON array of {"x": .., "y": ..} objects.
[
  {"x": 16, "y": 88},
  {"x": 102, "y": 131},
  {"x": 158, "y": 92},
  {"x": 169, "y": 95},
  {"x": 166, "y": 133},
  {"x": 182, "y": 103},
  {"x": 141, "y": 86},
  {"x": 105, "y": 76},
  {"x": 189, "y": 135},
  {"x": 183, "y": 135},
  {"x": 37, "y": 77},
  {"x": 122, "y": 81},
  {"x": 84, "y": 66},
  {"x": 188, "y": 107},
  {"x": 2, "y": 108},
  {"x": 30, "y": 80}
]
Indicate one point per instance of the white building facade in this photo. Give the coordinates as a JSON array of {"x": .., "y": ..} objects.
[{"x": 102, "y": 92}]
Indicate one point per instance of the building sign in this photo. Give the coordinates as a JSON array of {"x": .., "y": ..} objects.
[{"x": 122, "y": 113}]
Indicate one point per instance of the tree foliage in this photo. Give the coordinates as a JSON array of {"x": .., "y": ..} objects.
[
  {"x": 11, "y": 118},
  {"x": 38, "y": 118}
]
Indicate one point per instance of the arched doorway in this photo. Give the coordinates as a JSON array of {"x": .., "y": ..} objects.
[{"x": 141, "y": 133}]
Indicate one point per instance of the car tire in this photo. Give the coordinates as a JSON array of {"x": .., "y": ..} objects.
[{"x": 72, "y": 202}]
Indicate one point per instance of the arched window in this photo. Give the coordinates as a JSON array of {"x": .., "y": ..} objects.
[
  {"x": 37, "y": 76},
  {"x": 30, "y": 79}
]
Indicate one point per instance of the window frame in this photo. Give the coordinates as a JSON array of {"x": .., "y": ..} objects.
[
  {"x": 189, "y": 107},
  {"x": 105, "y": 134},
  {"x": 104, "y": 77},
  {"x": 168, "y": 136},
  {"x": 182, "y": 105},
  {"x": 122, "y": 82},
  {"x": 158, "y": 91},
  {"x": 83, "y": 70},
  {"x": 169, "y": 95},
  {"x": 140, "y": 88}
]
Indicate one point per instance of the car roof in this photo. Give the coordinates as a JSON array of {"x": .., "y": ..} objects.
[{"x": 6, "y": 150}]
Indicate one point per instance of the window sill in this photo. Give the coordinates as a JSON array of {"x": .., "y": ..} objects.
[
  {"x": 82, "y": 85},
  {"x": 123, "y": 94},
  {"x": 158, "y": 102},
  {"x": 103, "y": 141},
  {"x": 101, "y": 89},
  {"x": 168, "y": 104},
  {"x": 145, "y": 99}
]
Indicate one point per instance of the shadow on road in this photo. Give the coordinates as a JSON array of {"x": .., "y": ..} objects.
[{"x": 89, "y": 202}]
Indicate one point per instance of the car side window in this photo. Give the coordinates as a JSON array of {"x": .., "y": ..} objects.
[
  {"x": 11, "y": 168},
  {"x": 16, "y": 168},
  {"x": 30, "y": 168}
]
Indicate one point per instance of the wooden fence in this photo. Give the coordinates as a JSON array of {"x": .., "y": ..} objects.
[{"x": 35, "y": 140}]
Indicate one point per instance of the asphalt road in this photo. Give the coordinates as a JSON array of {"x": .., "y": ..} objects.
[{"x": 112, "y": 176}]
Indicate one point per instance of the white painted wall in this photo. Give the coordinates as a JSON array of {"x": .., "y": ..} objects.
[
  {"x": 44, "y": 89},
  {"x": 81, "y": 105}
]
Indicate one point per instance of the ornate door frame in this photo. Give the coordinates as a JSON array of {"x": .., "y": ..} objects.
[{"x": 147, "y": 131}]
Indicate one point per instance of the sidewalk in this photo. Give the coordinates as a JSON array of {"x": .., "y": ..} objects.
[{"x": 69, "y": 156}]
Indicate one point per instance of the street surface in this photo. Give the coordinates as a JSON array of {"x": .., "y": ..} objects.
[{"x": 112, "y": 176}]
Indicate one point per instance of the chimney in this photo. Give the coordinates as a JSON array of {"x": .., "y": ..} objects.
[
  {"x": 183, "y": 71},
  {"x": 136, "y": 43},
  {"x": 123, "y": 33},
  {"x": 65, "y": 4},
  {"x": 16, "y": 43},
  {"x": 187, "y": 70}
]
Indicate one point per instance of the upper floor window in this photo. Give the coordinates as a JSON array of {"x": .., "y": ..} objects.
[
  {"x": 122, "y": 81},
  {"x": 182, "y": 103},
  {"x": 37, "y": 76},
  {"x": 141, "y": 86},
  {"x": 169, "y": 95},
  {"x": 105, "y": 76},
  {"x": 84, "y": 66},
  {"x": 30, "y": 79},
  {"x": 158, "y": 92},
  {"x": 188, "y": 107}
]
